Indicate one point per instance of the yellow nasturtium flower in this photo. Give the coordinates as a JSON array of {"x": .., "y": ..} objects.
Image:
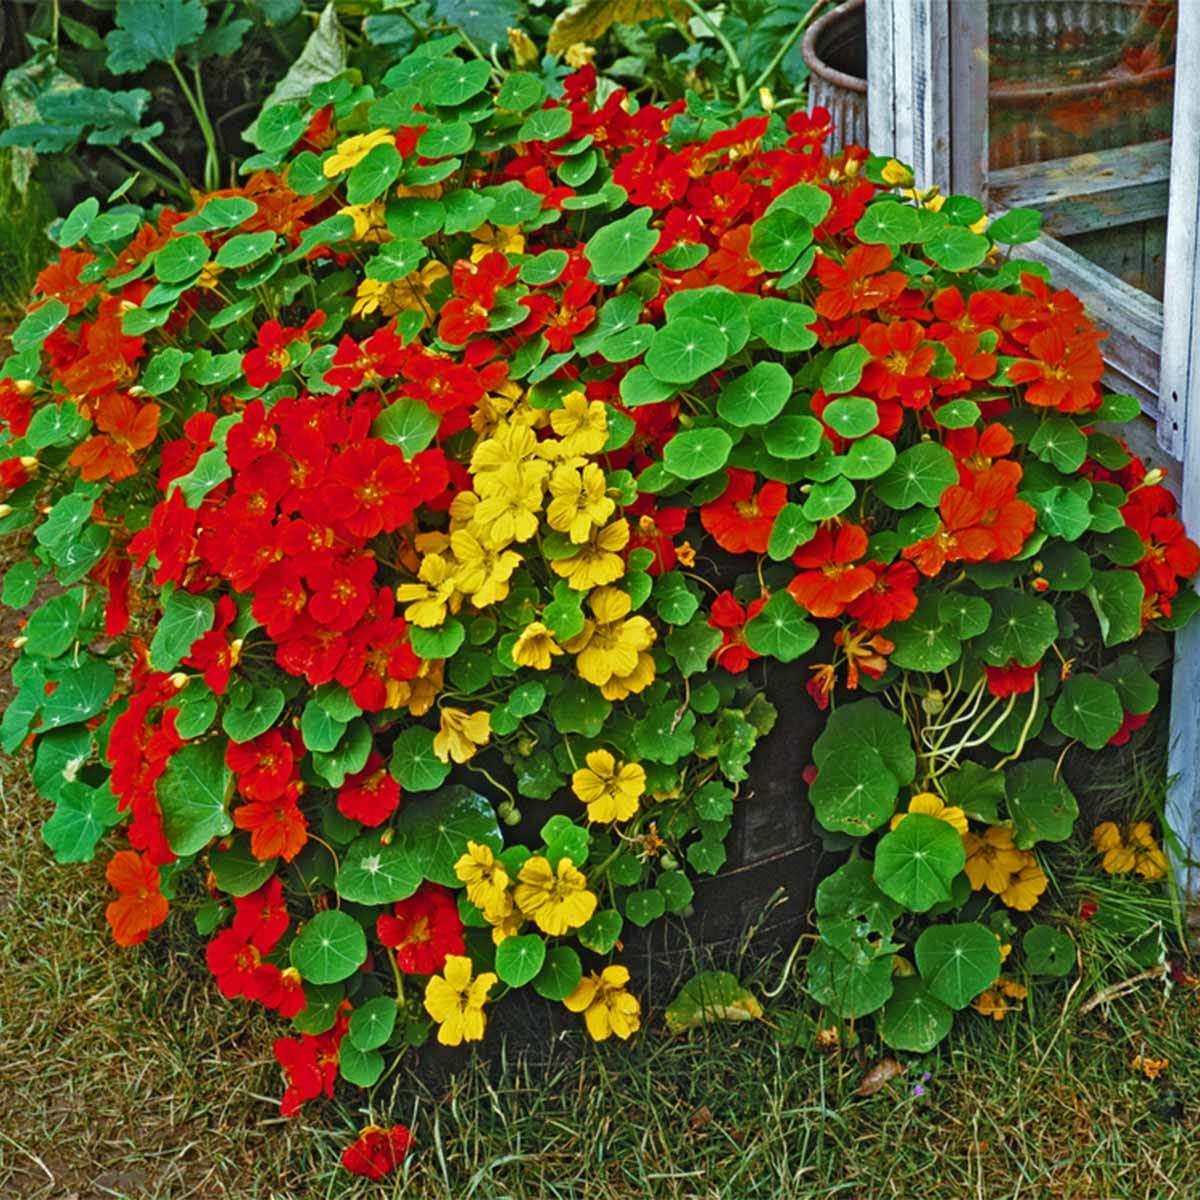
[
  {"x": 931, "y": 805},
  {"x": 992, "y": 859},
  {"x": 507, "y": 239},
  {"x": 437, "y": 592},
  {"x": 611, "y": 790},
  {"x": 486, "y": 881},
  {"x": 896, "y": 174},
  {"x": 608, "y": 647},
  {"x": 455, "y": 1001},
  {"x": 483, "y": 572},
  {"x": 510, "y": 500},
  {"x": 1133, "y": 849},
  {"x": 582, "y": 425},
  {"x": 579, "y": 501},
  {"x": 555, "y": 900},
  {"x": 536, "y": 647},
  {"x": 994, "y": 1002},
  {"x": 369, "y": 222},
  {"x": 353, "y": 150},
  {"x": 461, "y": 734},
  {"x": 607, "y": 1007},
  {"x": 1026, "y": 886},
  {"x": 598, "y": 560}
]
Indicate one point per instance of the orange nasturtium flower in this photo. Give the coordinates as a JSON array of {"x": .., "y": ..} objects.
[
  {"x": 125, "y": 427},
  {"x": 139, "y": 906}
]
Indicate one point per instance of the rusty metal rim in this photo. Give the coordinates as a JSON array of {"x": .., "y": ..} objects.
[{"x": 809, "y": 51}]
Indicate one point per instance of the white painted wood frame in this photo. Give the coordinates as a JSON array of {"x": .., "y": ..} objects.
[{"x": 927, "y": 106}]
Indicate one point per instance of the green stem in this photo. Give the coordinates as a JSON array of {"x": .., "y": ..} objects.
[
  {"x": 196, "y": 103},
  {"x": 181, "y": 189},
  {"x": 739, "y": 75},
  {"x": 788, "y": 43}
]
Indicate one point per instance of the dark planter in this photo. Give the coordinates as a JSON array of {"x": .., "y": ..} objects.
[{"x": 835, "y": 52}]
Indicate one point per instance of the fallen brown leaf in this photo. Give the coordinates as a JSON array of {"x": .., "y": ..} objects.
[{"x": 879, "y": 1076}]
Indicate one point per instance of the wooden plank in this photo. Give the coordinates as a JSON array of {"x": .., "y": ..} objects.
[
  {"x": 1179, "y": 432},
  {"x": 1088, "y": 191},
  {"x": 1132, "y": 319},
  {"x": 908, "y": 92},
  {"x": 968, "y": 100}
]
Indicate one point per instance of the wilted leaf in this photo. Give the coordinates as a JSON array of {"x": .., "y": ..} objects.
[
  {"x": 879, "y": 1076},
  {"x": 588, "y": 20}
]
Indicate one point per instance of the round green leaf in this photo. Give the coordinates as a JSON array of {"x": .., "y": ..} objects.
[
  {"x": 192, "y": 794},
  {"x": 685, "y": 349},
  {"x": 913, "y": 1020},
  {"x": 889, "y": 223},
  {"x": 561, "y": 972},
  {"x": 330, "y": 948},
  {"x": 919, "y": 475},
  {"x": 957, "y": 962},
  {"x": 1042, "y": 807},
  {"x": 619, "y": 248},
  {"x": 1089, "y": 709},
  {"x": 777, "y": 239},
  {"x": 371, "y": 1024},
  {"x": 793, "y": 437},
  {"x": 866, "y": 724},
  {"x": 245, "y": 248},
  {"x": 519, "y": 959},
  {"x": 695, "y": 453},
  {"x": 848, "y": 989},
  {"x": 956, "y": 248},
  {"x": 359, "y": 1067},
  {"x": 780, "y": 629},
  {"x": 1048, "y": 951},
  {"x": 237, "y": 871},
  {"x": 757, "y": 397},
  {"x": 782, "y": 325},
  {"x": 868, "y": 458},
  {"x": 851, "y": 416},
  {"x": 414, "y": 763},
  {"x": 854, "y": 793},
  {"x": 924, "y": 642},
  {"x": 916, "y": 862},
  {"x": 181, "y": 258},
  {"x": 374, "y": 873},
  {"x": 435, "y": 830},
  {"x": 1021, "y": 630}
]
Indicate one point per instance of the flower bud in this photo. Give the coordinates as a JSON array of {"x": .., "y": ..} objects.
[
  {"x": 1154, "y": 477},
  {"x": 766, "y": 100},
  {"x": 504, "y": 808},
  {"x": 179, "y": 680},
  {"x": 669, "y": 861},
  {"x": 513, "y": 818},
  {"x": 5, "y": 510},
  {"x": 29, "y": 462},
  {"x": 235, "y": 651},
  {"x": 933, "y": 702},
  {"x": 26, "y": 387},
  {"x": 18, "y": 642}
]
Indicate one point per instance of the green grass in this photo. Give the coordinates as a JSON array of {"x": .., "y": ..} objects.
[
  {"x": 124, "y": 1074},
  {"x": 24, "y": 246}
]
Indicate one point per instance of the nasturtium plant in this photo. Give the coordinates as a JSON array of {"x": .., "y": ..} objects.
[{"x": 417, "y": 519}]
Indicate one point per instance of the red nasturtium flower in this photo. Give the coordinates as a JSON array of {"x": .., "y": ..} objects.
[
  {"x": 901, "y": 359},
  {"x": 370, "y": 796},
  {"x": 831, "y": 576},
  {"x": 270, "y": 357},
  {"x": 1012, "y": 679},
  {"x": 1064, "y": 371},
  {"x": 981, "y": 520},
  {"x": 377, "y": 1152},
  {"x": 139, "y": 906},
  {"x": 861, "y": 283},
  {"x": 728, "y": 615},
  {"x": 125, "y": 427},
  {"x": 740, "y": 520},
  {"x": 422, "y": 930},
  {"x": 310, "y": 1064}
]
